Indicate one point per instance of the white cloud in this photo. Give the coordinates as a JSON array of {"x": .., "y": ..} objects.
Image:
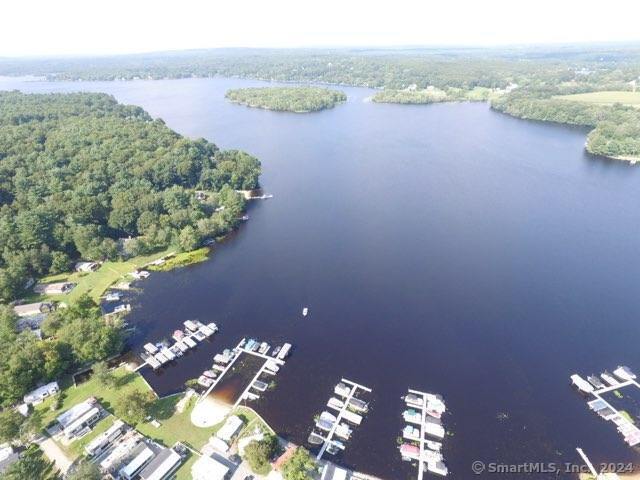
[{"x": 44, "y": 27}]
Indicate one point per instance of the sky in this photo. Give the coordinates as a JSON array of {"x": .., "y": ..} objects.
[{"x": 102, "y": 27}]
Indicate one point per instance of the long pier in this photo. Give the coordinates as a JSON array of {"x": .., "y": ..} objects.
[
  {"x": 222, "y": 374},
  {"x": 328, "y": 440}
]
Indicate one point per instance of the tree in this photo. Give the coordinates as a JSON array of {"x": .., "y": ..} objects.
[
  {"x": 10, "y": 422},
  {"x": 299, "y": 466},
  {"x": 104, "y": 375},
  {"x": 134, "y": 407},
  {"x": 8, "y": 320},
  {"x": 31, "y": 465},
  {"x": 60, "y": 262},
  {"x": 85, "y": 471},
  {"x": 188, "y": 239},
  {"x": 31, "y": 426},
  {"x": 259, "y": 454}
]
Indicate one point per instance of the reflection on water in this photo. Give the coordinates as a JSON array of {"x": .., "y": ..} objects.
[{"x": 237, "y": 379}]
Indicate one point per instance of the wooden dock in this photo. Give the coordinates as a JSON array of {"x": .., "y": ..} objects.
[
  {"x": 239, "y": 350},
  {"x": 328, "y": 439}
]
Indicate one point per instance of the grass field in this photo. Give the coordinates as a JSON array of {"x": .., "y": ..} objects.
[
  {"x": 604, "y": 98},
  {"x": 96, "y": 283}
]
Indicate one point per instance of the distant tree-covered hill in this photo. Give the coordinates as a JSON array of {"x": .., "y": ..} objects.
[
  {"x": 287, "y": 99},
  {"x": 79, "y": 171}
]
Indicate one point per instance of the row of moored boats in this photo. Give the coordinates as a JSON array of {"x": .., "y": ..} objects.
[
  {"x": 156, "y": 355},
  {"x": 329, "y": 424},
  {"x": 593, "y": 383},
  {"x": 423, "y": 432},
  {"x": 252, "y": 345}
]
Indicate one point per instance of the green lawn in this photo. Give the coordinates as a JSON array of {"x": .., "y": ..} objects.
[
  {"x": 604, "y": 98},
  {"x": 184, "y": 472},
  {"x": 96, "y": 283},
  {"x": 107, "y": 397}
]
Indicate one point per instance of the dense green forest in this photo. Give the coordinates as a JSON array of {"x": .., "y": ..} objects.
[
  {"x": 616, "y": 128},
  {"x": 75, "y": 336},
  {"x": 80, "y": 171},
  {"x": 378, "y": 68},
  {"x": 287, "y": 99},
  {"x": 431, "y": 95}
]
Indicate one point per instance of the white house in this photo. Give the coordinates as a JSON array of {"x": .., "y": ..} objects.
[
  {"x": 41, "y": 393},
  {"x": 207, "y": 468},
  {"x": 87, "y": 266}
]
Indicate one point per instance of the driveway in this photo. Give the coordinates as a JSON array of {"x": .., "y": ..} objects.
[{"x": 55, "y": 454}]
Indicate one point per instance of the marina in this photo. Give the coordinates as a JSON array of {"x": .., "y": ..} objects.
[
  {"x": 420, "y": 444},
  {"x": 331, "y": 424},
  {"x": 224, "y": 361},
  {"x": 621, "y": 382},
  {"x": 157, "y": 355}
]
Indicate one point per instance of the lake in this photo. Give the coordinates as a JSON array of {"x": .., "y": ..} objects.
[{"x": 447, "y": 248}]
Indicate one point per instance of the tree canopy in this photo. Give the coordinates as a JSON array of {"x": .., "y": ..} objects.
[
  {"x": 80, "y": 171},
  {"x": 287, "y": 99},
  {"x": 299, "y": 466}
]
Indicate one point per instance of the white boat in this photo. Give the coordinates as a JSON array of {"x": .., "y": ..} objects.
[
  {"x": 213, "y": 326},
  {"x": 581, "y": 384},
  {"x": 352, "y": 417},
  {"x": 251, "y": 396},
  {"x": 122, "y": 308},
  {"x": 161, "y": 358},
  {"x": 175, "y": 350},
  {"x": 433, "y": 445},
  {"x": 284, "y": 351},
  {"x": 218, "y": 367},
  {"x": 190, "y": 325},
  {"x": 167, "y": 353},
  {"x": 188, "y": 341},
  {"x": 264, "y": 348},
  {"x": 437, "y": 467},
  {"x": 412, "y": 416},
  {"x": 343, "y": 431},
  {"x": 205, "y": 381},
  {"x": 112, "y": 297},
  {"x": 151, "y": 348},
  {"x": 342, "y": 389},
  {"x": 153, "y": 362},
  {"x": 624, "y": 373},
  {"x": 206, "y": 331},
  {"x": 178, "y": 335},
  {"x": 411, "y": 433},
  {"x": 305, "y": 311},
  {"x": 182, "y": 346},
  {"x": 199, "y": 335},
  {"x": 434, "y": 429},
  {"x": 335, "y": 403},
  {"x": 608, "y": 378},
  {"x": 271, "y": 366},
  {"x": 414, "y": 400},
  {"x": 210, "y": 374},
  {"x": 328, "y": 416}
]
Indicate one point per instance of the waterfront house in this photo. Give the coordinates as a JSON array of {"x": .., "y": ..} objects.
[
  {"x": 105, "y": 439},
  {"x": 41, "y": 393},
  {"x": 230, "y": 428},
  {"x": 331, "y": 472}
]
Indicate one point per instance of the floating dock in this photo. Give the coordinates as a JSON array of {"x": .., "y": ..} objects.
[
  {"x": 621, "y": 378},
  {"x": 423, "y": 420},
  {"x": 346, "y": 389},
  {"x": 243, "y": 347}
]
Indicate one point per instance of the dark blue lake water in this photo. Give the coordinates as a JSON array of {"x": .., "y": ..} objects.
[{"x": 447, "y": 248}]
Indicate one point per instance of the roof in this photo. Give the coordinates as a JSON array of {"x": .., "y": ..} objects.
[
  {"x": 29, "y": 309},
  {"x": 7, "y": 456},
  {"x": 219, "y": 444},
  {"x": 75, "y": 412},
  {"x": 141, "y": 457},
  {"x": 41, "y": 392},
  {"x": 161, "y": 466},
  {"x": 288, "y": 453},
  {"x": 230, "y": 428},
  {"x": 207, "y": 468}
]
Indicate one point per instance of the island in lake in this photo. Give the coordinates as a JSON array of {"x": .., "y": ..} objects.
[{"x": 287, "y": 99}]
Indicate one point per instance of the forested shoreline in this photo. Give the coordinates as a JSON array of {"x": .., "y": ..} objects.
[
  {"x": 287, "y": 99},
  {"x": 80, "y": 172}
]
